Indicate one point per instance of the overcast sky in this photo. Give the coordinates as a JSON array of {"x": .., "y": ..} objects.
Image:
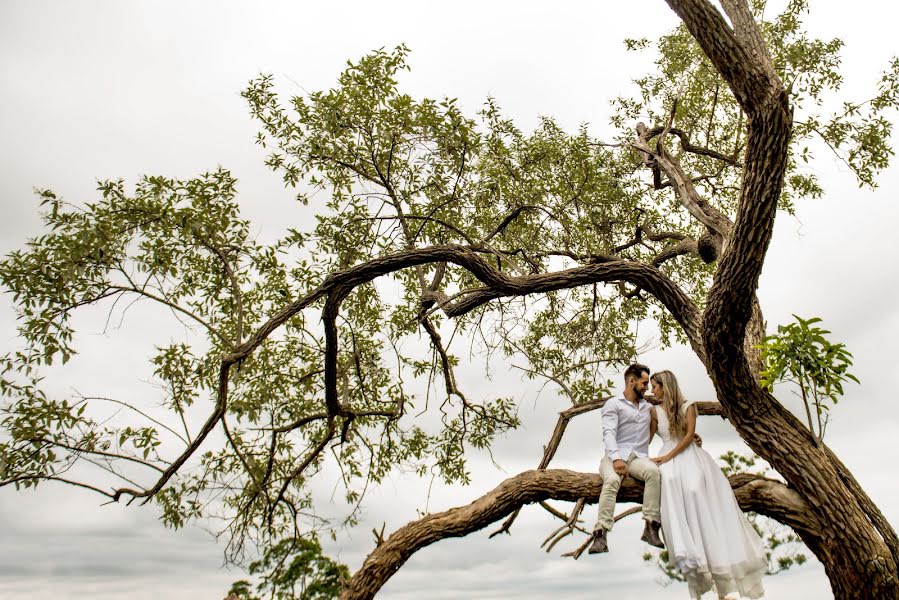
[{"x": 107, "y": 89}]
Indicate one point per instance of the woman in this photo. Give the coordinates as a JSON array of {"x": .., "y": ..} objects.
[{"x": 707, "y": 536}]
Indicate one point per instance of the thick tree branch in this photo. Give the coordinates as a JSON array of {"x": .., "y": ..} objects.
[
  {"x": 770, "y": 429},
  {"x": 764, "y": 496},
  {"x": 752, "y": 81},
  {"x": 329, "y": 317},
  {"x": 748, "y": 33},
  {"x": 867, "y": 505},
  {"x": 686, "y": 246}
]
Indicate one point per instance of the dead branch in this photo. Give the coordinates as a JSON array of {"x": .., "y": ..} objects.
[
  {"x": 567, "y": 529},
  {"x": 576, "y": 553}
]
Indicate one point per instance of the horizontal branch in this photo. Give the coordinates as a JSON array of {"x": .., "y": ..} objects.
[
  {"x": 110, "y": 455},
  {"x": 36, "y": 478},
  {"x": 764, "y": 496},
  {"x": 549, "y": 451}
]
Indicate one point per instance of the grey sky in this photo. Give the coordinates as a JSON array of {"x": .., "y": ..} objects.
[{"x": 109, "y": 89}]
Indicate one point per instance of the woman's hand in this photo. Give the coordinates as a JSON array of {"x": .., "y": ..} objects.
[{"x": 661, "y": 460}]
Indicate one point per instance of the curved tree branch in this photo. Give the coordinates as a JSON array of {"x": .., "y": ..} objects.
[
  {"x": 497, "y": 284},
  {"x": 764, "y": 496}
]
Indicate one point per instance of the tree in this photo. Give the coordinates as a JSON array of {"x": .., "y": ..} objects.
[
  {"x": 294, "y": 569},
  {"x": 800, "y": 354},
  {"x": 546, "y": 245}
]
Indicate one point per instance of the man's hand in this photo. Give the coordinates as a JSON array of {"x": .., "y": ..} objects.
[
  {"x": 620, "y": 467},
  {"x": 697, "y": 440}
]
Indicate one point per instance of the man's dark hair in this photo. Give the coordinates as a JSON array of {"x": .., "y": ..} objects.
[{"x": 636, "y": 370}]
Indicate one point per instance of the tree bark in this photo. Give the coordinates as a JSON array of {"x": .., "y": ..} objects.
[
  {"x": 764, "y": 496},
  {"x": 857, "y": 547}
]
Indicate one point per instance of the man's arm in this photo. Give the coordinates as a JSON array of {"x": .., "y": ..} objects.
[
  {"x": 610, "y": 429},
  {"x": 610, "y": 436}
]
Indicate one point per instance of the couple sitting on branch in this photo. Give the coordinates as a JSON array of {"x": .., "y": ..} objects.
[{"x": 686, "y": 497}]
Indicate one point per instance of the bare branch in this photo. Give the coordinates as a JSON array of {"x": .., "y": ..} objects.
[
  {"x": 142, "y": 291},
  {"x": 567, "y": 529},
  {"x": 112, "y": 455}
]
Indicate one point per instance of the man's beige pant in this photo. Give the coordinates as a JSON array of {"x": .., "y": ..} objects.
[{"x": 638, "y": 468}]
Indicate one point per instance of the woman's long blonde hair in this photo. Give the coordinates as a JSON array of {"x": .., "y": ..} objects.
[{"x": 673, "y": 402}]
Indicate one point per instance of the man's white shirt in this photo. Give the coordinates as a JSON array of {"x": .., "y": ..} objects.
[{"x": 625, "y": 428}]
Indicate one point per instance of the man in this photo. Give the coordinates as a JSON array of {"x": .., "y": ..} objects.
[{"x": 627, "y": 426}]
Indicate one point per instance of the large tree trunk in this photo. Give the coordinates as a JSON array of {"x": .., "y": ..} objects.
[{"x": 858, "y": 548}]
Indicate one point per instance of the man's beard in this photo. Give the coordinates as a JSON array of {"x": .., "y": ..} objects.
[{"x": 637, "y": 392}]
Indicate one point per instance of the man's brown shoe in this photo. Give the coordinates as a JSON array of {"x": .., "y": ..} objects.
[
  {"x": 600, "y": 544},
  {"x": 651, "y": 534}
]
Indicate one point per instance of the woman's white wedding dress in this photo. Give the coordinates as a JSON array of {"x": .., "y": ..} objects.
[{"x": 707, "y": 536}]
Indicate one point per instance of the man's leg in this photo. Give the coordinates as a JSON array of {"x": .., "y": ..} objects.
[
  {"x": 611, "y": 481},
  {"x": 647, "y": 471}
]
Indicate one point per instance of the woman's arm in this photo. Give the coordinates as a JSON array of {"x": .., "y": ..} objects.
[
  {"x": 684, "y": 441},
  {"x": 653, "y": 423}
]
